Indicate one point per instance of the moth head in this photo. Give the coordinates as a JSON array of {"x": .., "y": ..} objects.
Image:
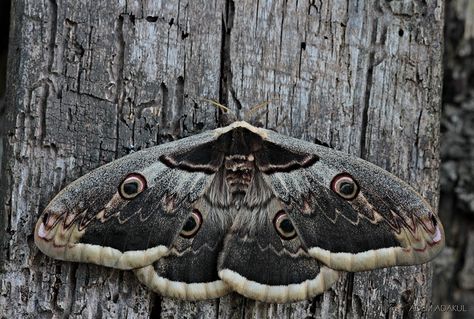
[
  {"x": 284, "y": 226},
  {"x": 345, "y": 186},
  {"x": 132, "y": 186},
  {"x": 192, "y": 224}
]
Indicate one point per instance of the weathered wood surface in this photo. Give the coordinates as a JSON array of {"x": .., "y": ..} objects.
[
  {"x": 88, "y": 80},
  {"x": 455, "y": 267}
]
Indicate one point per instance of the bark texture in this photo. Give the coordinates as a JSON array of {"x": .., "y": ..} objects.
[
  {"x": 90, "y": 80},
  {"x": 455, "y": 267}
]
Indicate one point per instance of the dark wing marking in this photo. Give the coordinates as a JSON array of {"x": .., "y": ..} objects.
[
  {"x": 275, "y": 158},
  {"x": 205, "y": 158}
]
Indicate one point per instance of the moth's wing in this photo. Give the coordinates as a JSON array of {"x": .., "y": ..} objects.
[
  {"x": 189, "y": 271},
  {"x": 89, "y": 221},
  {"x": 387, "y": 223},
  {"x": 257, "y": 263}
]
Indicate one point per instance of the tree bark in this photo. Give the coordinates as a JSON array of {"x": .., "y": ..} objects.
[
  {"x": 90, "y": 80},
  {"x": 454, "y": 269}
]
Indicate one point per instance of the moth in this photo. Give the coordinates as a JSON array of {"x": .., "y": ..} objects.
[{"x": 242, "y": 209}]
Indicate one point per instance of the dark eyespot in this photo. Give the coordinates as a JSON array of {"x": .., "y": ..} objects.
[
  {"x": 284, "y": 226},
  {"x": 132, "y": 186},
  {"x": 192, "y": 224},
  {"x": 45, "y": 218},
  {"x": 345, "y": 186}
]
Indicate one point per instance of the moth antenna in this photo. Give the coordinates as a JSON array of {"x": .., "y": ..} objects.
[
  {"x": 248, "y": 115},
  {"x": 221, "y": 107},
  {"x": 227, "y": 116}
]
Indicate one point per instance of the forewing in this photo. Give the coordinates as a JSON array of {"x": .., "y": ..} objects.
[
  {"x": 91, "y": 221},
  {"x": 385, "y": 223}
]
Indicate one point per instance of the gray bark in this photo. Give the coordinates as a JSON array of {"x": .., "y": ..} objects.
[
  {"x": 88, "y": 80},
  {"x": 455, "y": 267}
]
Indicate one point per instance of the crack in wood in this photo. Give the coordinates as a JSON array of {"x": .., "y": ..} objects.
[{"x": 225, "y": 83}]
